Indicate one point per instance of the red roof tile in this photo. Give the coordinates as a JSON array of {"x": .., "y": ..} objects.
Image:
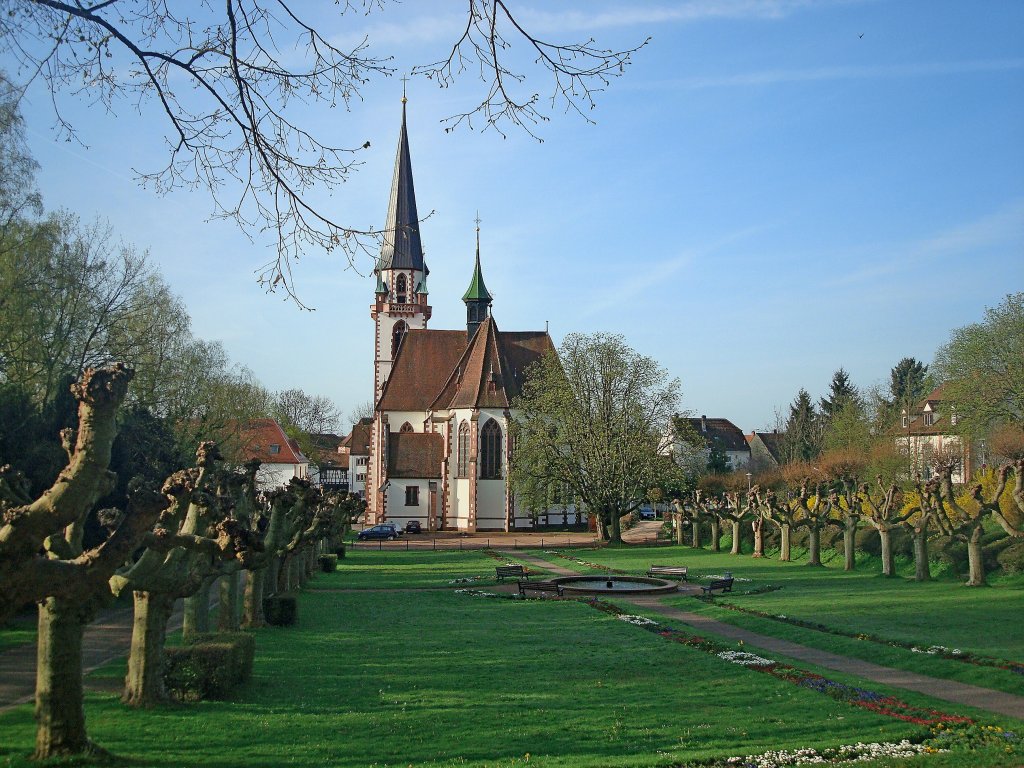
[
  {"x": 258, "y": 438},
  {"x": 415, "y": 454}
]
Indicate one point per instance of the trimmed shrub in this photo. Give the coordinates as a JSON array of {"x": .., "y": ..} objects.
[
  {"x": 1011, "y": 559},
  {"x": 281, "y": 610},
  {"x": 340, "y": 550},
  {"x": 328, "y": 563},
  {"x": 210, "y": 667}
]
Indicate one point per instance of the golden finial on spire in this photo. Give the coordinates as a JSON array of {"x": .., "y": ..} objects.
[{"x": 404, "y": 81}]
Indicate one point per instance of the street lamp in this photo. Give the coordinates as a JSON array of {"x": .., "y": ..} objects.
[{"x": 749, "y": 475}]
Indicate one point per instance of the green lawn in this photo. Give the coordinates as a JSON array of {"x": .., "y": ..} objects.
[
  {"x": 398, "y": 569},
  {"x": 18, "y": 630},
  {"x": 943, "y": 612},
  {"x": 429, "y": 677}
]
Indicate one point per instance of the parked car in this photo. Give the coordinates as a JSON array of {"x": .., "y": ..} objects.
[
  {"x": 646, "y": 513},
  {"x": 413, "y": 526},
  {"x": 385, "y": 531}
]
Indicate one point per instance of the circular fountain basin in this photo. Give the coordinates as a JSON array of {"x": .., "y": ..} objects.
[{"x": 629, "y": 585}]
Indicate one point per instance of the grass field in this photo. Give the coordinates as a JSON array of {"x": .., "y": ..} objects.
[{"x": 417, "y": 674}]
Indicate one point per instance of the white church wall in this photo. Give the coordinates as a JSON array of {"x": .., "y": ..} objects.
[
  {"x": 399, "y": 512},
  {"x": 458, "y": 514},
  {"x": 397, "y": 418},
  {"x": 490, "y": 509}
]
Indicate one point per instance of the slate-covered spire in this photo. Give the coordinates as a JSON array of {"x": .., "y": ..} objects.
[
  {"x": 478, "y": 299},
  {"x": 402, "y": 248}
]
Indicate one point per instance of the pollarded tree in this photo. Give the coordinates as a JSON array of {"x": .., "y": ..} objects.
[
  {"x": 197, "y": 533},
  {"x": 844, "y": 470},
  {"x": 963, "y": 516},
  {"x": 221, "y": 80},
  {"x": 594, "y": 418},
  {"x": 43, "y": 559}
]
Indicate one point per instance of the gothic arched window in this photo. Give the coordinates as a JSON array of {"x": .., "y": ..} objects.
[
  {"x": 397, "y": 334},
  {"x": 400, "y": 289},
  {"x": 407, "y": 427},
  {"x": 490, "y": 451},
  {"x": 463, "y": 457}
]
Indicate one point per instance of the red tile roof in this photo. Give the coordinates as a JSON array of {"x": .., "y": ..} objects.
[
  {"x": 258, "y": 436},
  {"x": 359, "y": 444},
  {"x": 438, "y": 369},
  {"x": 415, "y": 455},
  {"x": 726, "y": 435}
]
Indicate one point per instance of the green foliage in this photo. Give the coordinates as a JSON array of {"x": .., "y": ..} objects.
[
  {"x": 592, "y": 419},
  {"x": 210, "y": 667},
  {"x": 281, "y": 610},
  {"x": 982, "y": 368},
  {"x": 328, "y": 563}
]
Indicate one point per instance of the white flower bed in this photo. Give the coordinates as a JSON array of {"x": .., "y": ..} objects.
[
  {"x": 466, "y": 580},
  {"x": 475, "y": 593},
  {"x": 640, "y": 621},
  {"x": 848, "y": 753},
  {"x": 745, "y": 659},
  {"x": 936, "y": 649}
]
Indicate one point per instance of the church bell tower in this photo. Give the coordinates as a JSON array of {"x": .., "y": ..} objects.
[
  {"x": 400, "y": 298},
  {"x": 477, "y": 298}
]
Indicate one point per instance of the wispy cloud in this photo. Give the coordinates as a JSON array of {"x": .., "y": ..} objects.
[
  {"x": 653, "y": 277},
  {"x": 782, "y": 76},
  {"x": 446, "y": 27},
  {"x": 686, "y": 12},
  {"x": 1001, "y": 227}
]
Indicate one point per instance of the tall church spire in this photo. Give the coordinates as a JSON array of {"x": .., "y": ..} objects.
[
  {"x": 402, "y": 248},
  {"x": 478, "y": 299}
]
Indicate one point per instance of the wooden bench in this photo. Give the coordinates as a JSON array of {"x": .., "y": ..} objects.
[
  {"x": 540, "y": 586},
  {"x": 723, "y": 584},
  {"x": 511, "y": 571},
  {"x": 678, "y": 571}
]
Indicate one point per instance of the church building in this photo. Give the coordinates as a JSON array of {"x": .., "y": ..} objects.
[{"x": 440, "y": 448}]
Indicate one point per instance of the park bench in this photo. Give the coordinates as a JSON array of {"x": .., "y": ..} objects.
[
  {"x": 511, "y": 571},
  {"x": 723, "y": 584},
  {"x": 678, "y": 571},
  {"x": 540, "y": 586}
]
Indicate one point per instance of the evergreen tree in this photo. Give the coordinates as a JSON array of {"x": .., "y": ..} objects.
[
  {"x": 803, "y": 430},
  {"x": 908, "y": 384},
  {"x": 841, "y": 392}
]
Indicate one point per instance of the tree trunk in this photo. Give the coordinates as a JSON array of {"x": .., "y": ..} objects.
[
  {"x": 849, "y": 544},
  {"x": 975, "y": 560},
  {"x": 680, "y": 538},
  {"x": 59, "y": 714},
  {"x": 736, "y": 528},
  {"x": 814, "y": 546},
  {"x": 716, "y": 534},
  {"x": 272, "y": 579},
  {"x": 196, "y": 619},
  {"x": 922, "y": 568},
  {"x": 888, "y": 566},
  {"x": 757, "y": 525},
  {"x": 253, "y": 609},
  {"x": 227, "y": 616},
  {"x": 784, "y": 547},
  {"x": 144, "y": 683},
  {"x": 615, "y": 535}
]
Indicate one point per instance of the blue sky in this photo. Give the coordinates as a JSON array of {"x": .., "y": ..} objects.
[{"x": 774, "y": 189}]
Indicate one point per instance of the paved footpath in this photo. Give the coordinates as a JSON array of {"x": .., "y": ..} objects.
[
  {"x": 947, "y": 690},
  {"x": 106, "y": 639}
]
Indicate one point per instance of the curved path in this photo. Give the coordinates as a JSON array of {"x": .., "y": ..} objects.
[{"x": 947, "y": 690}]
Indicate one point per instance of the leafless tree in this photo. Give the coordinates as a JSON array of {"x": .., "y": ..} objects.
[{"x": 223, "y": 75}]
